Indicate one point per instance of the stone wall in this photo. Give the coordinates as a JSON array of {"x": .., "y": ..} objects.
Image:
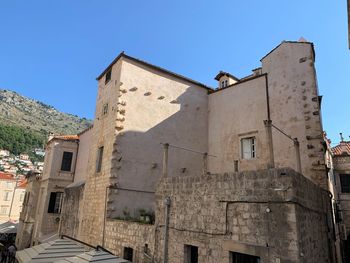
[
  {"x": 27, "y": 217},
  {"x": 277, "y": 215},
  {"x": 295, "y": 107},
  {"x": 120, "y": 234}
]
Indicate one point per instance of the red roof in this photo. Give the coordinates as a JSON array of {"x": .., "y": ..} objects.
[
  {"x": 5, "y": 176},
  {"x": 343, "y": 148},
  {"x": 67, "y": 137}
]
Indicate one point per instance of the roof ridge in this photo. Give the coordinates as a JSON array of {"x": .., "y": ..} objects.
[{"x": 122, "y": 54}]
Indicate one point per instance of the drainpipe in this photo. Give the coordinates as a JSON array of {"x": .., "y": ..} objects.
[
  {"x": 13, "y": 197},
  {"x": 297, "y": 154},
  {"x": 167, "y": 202},
  {"x": 165, "y": 159},
  {"x": 205, "y": 163},
  {"x": 104, "y": 217},
  {"x": 268, "y": 127}
]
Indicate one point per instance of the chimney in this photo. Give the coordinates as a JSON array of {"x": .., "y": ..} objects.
[
  {"x": 257, "y": 71},
  {"x": 51, "y": 136}
]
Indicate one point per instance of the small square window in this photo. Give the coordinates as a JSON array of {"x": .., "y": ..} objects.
[
  {"x": 345, "y": 183},
  {"x": 55, "y": 202},
  {"x": 66, "y": 161},
  {"x": 7, "y": 196},
  {"x": 99, "y": 159},
  {"x": 243, "y": 258},
  {"x": 128, "y": 253},
  {"x": 108, "y": 76},
  {"x": 105, "y": 109},
  {"x": 248, "y": 146},
  {"x": 191, "y": 254},
  {"x": 3, "y": 210}
]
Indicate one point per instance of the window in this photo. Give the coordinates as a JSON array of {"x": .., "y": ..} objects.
[
  {"x": 128, "y": 253},
  {"x": 3, "y": 210},
  {"x": 345, "y": 183},
  {"x": 105, "y": 109},
  {"x": 248, "y": 148},
  {"x": 21, "y": 197},
  {"x": 7, "y": 196},
  {"x": 66, "y": 161},
  {"x": 8, "y": 184},
  {"x": 243, "y": 258},
  {"x": 99, "y": 159},
  {"x": 191, "y": 254},
  {"x": 224, "y": 83},
  {"x": 108, "y": 76},
  {"x": 55, "y": 202}
]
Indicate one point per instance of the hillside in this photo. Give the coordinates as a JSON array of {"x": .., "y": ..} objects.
[{"x": 37, "y": 116}]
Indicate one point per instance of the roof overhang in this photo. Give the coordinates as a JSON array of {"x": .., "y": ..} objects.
[{"x": 223, "y": 73}]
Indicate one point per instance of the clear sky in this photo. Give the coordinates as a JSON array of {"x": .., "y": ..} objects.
[{"x": 53, "y": 50}]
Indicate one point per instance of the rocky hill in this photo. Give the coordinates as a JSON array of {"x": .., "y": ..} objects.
[{"x": 37, "y": 116}]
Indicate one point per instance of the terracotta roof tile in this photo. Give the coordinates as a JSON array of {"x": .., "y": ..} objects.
[
  {"x": 66, "y": 137},
  {"x": 343, "y": 148},
  {"x": 6, "y": 176}
]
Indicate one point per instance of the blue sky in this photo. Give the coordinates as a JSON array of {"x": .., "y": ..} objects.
[{"x": 53, "y": 50}]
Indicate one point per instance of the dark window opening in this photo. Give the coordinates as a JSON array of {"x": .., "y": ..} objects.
[
  {"x": 236, "y": 165},
  {"x": 99, "y": 159},
  {"x": 66, "y": 161},
  {"x": 108, "y": 76},
  {"x": 105, "y": 109},
  {"x": 128, "y": 253},
  {"x": 345, "y": 183},
  {"x": 243, "y": 258},
  {"x": 55, "y": 202},
  {"x": 191, "y": 254}
]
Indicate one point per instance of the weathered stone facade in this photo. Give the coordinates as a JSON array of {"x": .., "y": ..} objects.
[
  {"x": 157, "y": 134},
  {"x": 277, "y": 215}
]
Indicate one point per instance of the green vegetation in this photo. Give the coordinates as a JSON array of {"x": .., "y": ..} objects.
[{"x": 20, "y": 140}]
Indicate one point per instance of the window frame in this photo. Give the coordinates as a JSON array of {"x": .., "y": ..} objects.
[
  {"x": 345, "y": 189},
  {"x": 99, "y": 159},
  {"x": 105, "y": 109},
  {"x": 252, "y": 147},
  {"x": 7, "y": 196},
  {"x": 108, "y": 76},
  {"x": 65, "y": 163},
  {"x": 55, "y": 203},
  {"x": 3, "y": 208},
  {"x": 191, "y": 254}
]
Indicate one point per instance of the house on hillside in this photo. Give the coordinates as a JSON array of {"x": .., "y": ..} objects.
[
  {"x": 173, "y": 169},
  {"x": 12, "y": 191}
]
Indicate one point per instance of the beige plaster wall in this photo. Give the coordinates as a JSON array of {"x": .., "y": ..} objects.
[
  {"x": 295, "y": 109},
  {"x": 235, "y": 113},
  {"x": 158, "y": 109},
  {"x": 8, "y": 186},
  {"x": 83, "y": 156},
  {"x": 53, "y": 161}
]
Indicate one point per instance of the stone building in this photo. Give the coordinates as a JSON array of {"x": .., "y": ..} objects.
[
  {"x": 175, "y": 169},
  {"x": 40, "y": 218},
  {"x": 11, "y": 197},
  {"x": 341, "y": 185}
]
